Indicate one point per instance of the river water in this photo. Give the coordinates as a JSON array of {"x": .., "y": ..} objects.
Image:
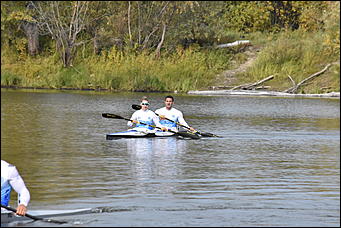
[{"x": 277, "y": 162}]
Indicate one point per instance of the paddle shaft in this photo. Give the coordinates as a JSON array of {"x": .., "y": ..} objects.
[{"x": 32, "y": 216}]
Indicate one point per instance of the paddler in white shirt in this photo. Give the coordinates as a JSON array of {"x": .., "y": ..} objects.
[
  {"x": 10, "y": 178},
  {"x": 144, "y": 115},
  {"x": 173, "y": 114}
]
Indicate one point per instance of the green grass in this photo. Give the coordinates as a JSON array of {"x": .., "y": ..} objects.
[
  {"x": 298, "y": 54},
  {"x": 115, "y": 70}
]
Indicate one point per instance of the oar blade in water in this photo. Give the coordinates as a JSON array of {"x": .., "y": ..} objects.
[
  {"x": 207, "y": 134},
  {"x": 187, "y": 134}
]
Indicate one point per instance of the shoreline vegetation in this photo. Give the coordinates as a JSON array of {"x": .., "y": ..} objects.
[
  {"x": 185, "y": 49},
  {"x": 206, "y": 92}
]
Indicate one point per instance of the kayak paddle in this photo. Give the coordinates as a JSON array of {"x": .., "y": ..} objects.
[
  {"x": 183, "y": 134},
  {"x": 205, "y": 134},
  {"x": 33, "y": 217}
]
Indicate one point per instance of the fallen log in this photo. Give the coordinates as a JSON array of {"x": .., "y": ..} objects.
[
  {"x": 262, "y": 93},
  {"x": 262, "y": 87},
  {"x": 250, "y": 86},
  {"x": 236, "y": 43},
  {"x": 292, "y": 80},
  {"x": 220, "y": 87},
  {"x": 295, "y": 87}
]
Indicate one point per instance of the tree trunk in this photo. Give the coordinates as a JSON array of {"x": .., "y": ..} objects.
[
  {"x": 158, "y": 49},
  {"x": 65, "y": 51},
  {"x": 67, "y": 56},
  {"x": 32, "y": 34},
  {"x": 96, "y": 44},
  {"x": 129, "y": 28}
]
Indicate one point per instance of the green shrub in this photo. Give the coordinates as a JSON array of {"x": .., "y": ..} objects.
[{"x": 9, "y": 79}]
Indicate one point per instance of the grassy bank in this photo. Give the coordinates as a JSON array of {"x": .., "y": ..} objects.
[
  {"x": 115, "y": 70},
  {"x": 295, "y": 53}
]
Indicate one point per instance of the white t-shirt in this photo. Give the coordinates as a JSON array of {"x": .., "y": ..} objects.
[
  {"x": 172, "y": 114},
  {"x": 147, "y": 117},
  {"x": 10, "y": 178}
]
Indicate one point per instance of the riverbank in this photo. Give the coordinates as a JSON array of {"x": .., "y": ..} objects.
[
  {"x": 227, "y": 82},
  {"x": 205, "y": 92},
  {"x": 187, "y": 70},
  {"x": 263, "y": 93},
  {"x": 201, "y": 54}
]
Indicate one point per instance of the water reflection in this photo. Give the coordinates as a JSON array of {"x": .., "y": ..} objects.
[{"x": 155, "y": 163}]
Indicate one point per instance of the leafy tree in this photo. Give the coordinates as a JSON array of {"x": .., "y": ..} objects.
[{"x": 17, "y": 21}]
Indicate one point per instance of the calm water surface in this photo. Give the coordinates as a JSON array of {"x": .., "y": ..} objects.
[{"x": 277, "y": 163}]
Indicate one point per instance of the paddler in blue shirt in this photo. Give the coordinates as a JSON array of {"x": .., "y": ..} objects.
[
  {"x": 10, "y": 178},
  {"x": 144, "y": 115}
]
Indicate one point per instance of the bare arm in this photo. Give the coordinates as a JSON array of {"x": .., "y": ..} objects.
[{"x": 133, "y": 117}]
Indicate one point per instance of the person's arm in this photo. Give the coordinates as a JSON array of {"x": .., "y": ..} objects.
[
  {"x": 134, "y": 120},
  {"x": 157, "y": 112},
  {"x": 157, "y": 123},
  {"x": 19, "y": 186},
  {"x": 183, "y": 122}
]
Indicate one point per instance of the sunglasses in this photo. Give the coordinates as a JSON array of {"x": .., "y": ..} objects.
[{"x": 144, "y": 103}]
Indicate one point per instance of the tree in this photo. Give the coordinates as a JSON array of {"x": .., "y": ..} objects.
[
  {"x": 31, "y": 30},
  {"x": 148, "y": 22},
  {"x": 106, "y": 24},
  {"x": 17, "y": 21},
  {"x": 64, "y": 21}
]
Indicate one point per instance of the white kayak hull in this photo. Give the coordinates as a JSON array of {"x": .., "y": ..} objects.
[
  {"x": 164, "y": 134},
  {"x": 138, "y": 134}
]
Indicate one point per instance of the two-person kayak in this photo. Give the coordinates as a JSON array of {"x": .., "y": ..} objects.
[{"x": 133, "y": 133}]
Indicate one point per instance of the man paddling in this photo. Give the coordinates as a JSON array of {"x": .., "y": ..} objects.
[
  {"x": 10, "y": 178},
  {"x": 144, "y": 115},
  {"x": 171, "y": 113}
]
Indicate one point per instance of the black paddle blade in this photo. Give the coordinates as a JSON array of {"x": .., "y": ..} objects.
[
  {"x": 110, "y": 115},
  {"x": 136, "y": 107},
  {"x": 187, "y": 134},
  {"x": 206, "y": 134}
]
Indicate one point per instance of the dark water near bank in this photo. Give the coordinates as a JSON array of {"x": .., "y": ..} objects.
[{"x": 277, "y": 163}]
